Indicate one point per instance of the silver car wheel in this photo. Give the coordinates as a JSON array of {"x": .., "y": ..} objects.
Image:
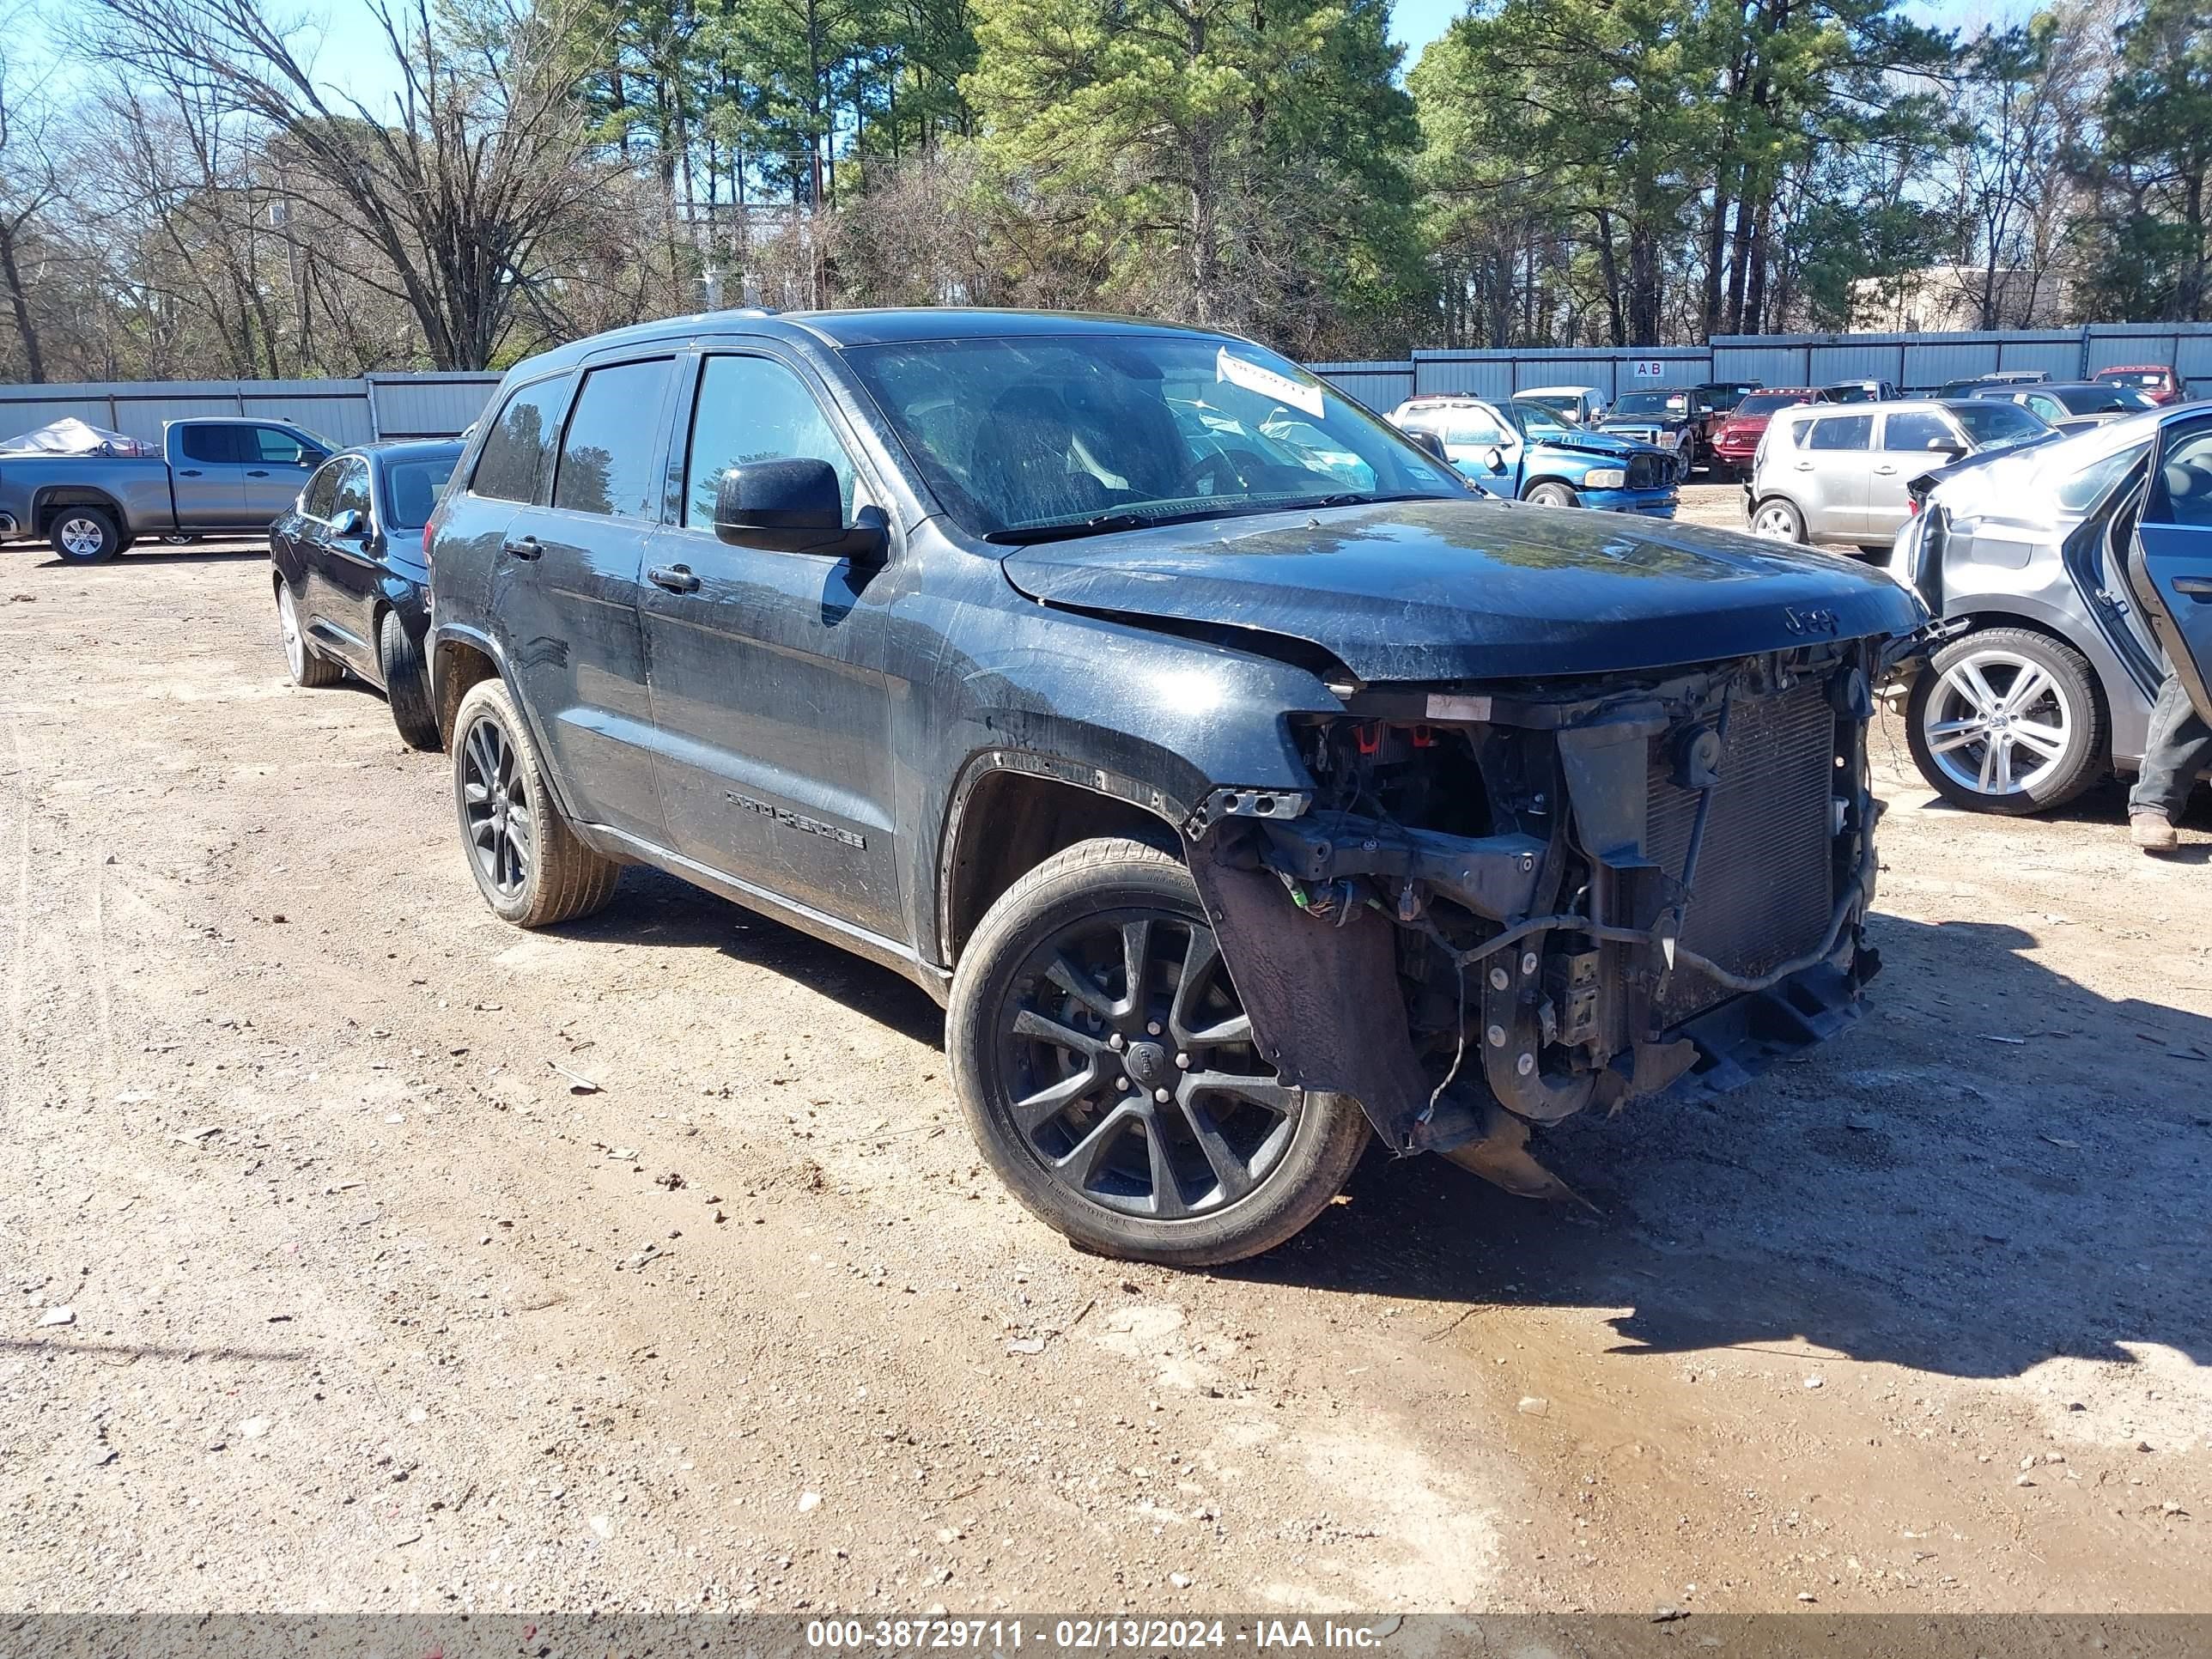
[
  {"x": 1998, "y": 724},
  {"x": 81, "y": 538},
  {"x": 287, "y": 624},
  {"x": 1775, "y": 522}
]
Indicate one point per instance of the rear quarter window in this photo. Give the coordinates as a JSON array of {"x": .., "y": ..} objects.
[{"x": 518, "y": 448}]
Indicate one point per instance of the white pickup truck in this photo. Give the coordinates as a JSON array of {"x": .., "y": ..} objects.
[{"x": 212, "y": 476}]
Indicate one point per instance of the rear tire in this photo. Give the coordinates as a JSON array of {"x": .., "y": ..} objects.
[
  {"x": 1044, "y": 1032},
  {"x": 406, "y": 683},
  {"x": 2030, "y": 696},
  {"x": 1776, "y": 520},
  {"x": 307, "y": 669},
  {"x": 527, "y": 862},
  {"x": 85, "y": 535}
]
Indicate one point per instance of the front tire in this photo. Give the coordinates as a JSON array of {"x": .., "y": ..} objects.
[
  {"x": 406, "y": 683},
  {"x": 527, "y": 862},
  {"x": 2008, "y": 720},
  {"x": 1551, "y": 495},
  {"x": 306, "y": 668},
  {"x": 85, "y": 535},
  {"x": 1108, "y": 1071}
]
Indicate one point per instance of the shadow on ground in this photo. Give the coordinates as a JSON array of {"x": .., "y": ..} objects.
[
  {"x": 653, "y": 908},
  {"x": 1919, "y": 1192}
]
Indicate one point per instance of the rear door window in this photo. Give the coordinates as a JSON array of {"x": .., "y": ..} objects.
[
  {"x": 211, "y": 446},
  {"x": 516, "y": 449},
  {"x": 1841, "y": 432},
  {"x": 607, "y": 455}
]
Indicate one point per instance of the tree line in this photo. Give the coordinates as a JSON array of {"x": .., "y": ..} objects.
[{"x": 188, "y": 189}]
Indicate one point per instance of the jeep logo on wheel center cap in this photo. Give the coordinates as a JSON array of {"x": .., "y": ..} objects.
[{"x": 1147, "y": 1062}]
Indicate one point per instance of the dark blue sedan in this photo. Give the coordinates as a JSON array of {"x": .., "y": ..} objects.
[{"x": 351, "y": 580}]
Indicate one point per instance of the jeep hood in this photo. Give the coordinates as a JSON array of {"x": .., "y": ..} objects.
[{"x": 1449, "y": 590}]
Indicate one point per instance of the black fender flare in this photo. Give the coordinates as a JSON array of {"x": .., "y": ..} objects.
[
  {"x": 482, "y": 642},
  {"x": 43, "y": 506}
]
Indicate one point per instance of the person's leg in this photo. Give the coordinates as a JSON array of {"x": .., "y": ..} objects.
[{"x": 2177, "y": 748}]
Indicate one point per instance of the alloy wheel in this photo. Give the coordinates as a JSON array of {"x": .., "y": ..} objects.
[
  {"x": 1775, "y": 522},
  {"x": 1134, "y": 1080},
  {"x": 287, "y": 624},
  {"x": 496, "y": 806},
  {"x": 1998, "y": 723},
  {"x": 80, "y": 538}
]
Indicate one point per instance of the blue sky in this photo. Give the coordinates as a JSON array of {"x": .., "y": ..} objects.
[
  {"x": 351, "y": 36},
  {"x": 1414, "y": 23}
]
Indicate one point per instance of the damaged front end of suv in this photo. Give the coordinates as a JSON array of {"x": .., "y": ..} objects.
[{"x": 1503, "y": 902}]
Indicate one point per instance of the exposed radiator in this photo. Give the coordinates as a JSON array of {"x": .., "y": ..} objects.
[{"x": 1764, "y": 893}]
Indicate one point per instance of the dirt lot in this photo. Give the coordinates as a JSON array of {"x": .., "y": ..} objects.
[{"x": 366, "y": 1308}]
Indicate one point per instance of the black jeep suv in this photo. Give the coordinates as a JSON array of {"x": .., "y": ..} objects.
[{"x": 1237, "y": 777}]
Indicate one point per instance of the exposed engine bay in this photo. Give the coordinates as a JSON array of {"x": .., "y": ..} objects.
[{"x": 1500, "y": 905}]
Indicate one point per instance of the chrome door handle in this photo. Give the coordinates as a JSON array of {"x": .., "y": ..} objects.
[
  {"x": 1885, "y": 472},
  {"x": 527, "y": 548},
  {"x": 1804, "y": 466},
  {"x": 676, "y": 578},
  {"x": 2197, "y": 587}
]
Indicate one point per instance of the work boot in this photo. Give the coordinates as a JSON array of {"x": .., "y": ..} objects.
[{"x": 2151, "y": 832}]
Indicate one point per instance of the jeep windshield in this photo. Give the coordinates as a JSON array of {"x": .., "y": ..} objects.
[{"x": 1039, "y": 438}]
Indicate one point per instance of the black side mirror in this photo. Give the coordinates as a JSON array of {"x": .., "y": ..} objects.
[
  {"x": 1428, "y": 443},
  {"x": 1496, "y": 459},
  {"x": 348, "y": 524},
  {"x": 795, "y": 505},
  {"x": 1950, "y": 447}
]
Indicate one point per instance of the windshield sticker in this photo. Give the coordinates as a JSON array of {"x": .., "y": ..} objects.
[{"x": 1268, "y": 384}]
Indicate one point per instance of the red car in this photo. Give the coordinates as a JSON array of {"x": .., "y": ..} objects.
[
  {"x": 1737, "y": 440},
  {"x": 2156, "y": 380}
]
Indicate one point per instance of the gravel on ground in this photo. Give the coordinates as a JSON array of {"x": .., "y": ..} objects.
[{"x": 363, "y": 1252}]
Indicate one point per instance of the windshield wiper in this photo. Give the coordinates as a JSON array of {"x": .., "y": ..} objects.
[
  {"x": 1356, "y": 498},
  {"x": 1104, "y": 524}
]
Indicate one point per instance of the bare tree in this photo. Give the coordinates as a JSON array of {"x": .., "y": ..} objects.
[
  {"x": 30, "y": 185},
  {"x": 483, "y": 154}
]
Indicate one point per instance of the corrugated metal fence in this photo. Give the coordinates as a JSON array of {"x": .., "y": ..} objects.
[
  {"x": 1913, "y": 361},
  {"x": 430, "y": 405},
  {"x": 381, "y": 406}
]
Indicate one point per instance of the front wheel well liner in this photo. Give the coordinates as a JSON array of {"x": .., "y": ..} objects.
[{"x": 1008, "y": 823}]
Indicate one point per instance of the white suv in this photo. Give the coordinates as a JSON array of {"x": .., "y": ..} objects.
[{"x": 1832, "y": 474}]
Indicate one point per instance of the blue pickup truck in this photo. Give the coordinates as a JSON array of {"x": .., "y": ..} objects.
[{"x": 1527, "y": 452}]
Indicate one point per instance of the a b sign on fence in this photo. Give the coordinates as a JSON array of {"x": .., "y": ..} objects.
[{"x": 1646, "y": 368}]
